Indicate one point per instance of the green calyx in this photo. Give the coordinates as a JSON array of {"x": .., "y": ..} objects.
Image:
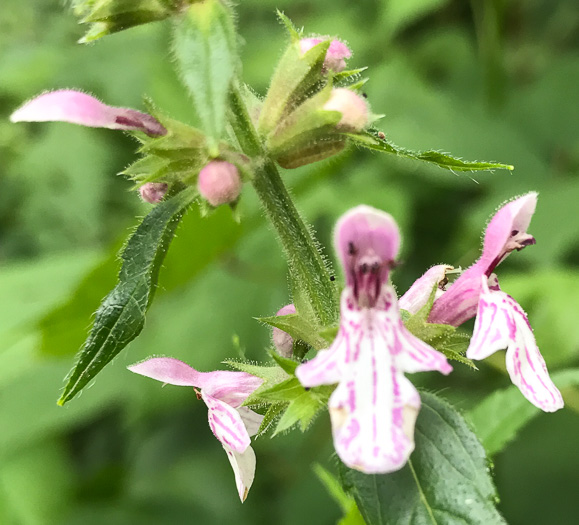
[
  {"x": 110, "y": 16},
  {"x": 293, "y": 122},
  {"x": 178, "y": 156}
]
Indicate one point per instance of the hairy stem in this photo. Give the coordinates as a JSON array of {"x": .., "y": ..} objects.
[{"x": 305, "y": 261}]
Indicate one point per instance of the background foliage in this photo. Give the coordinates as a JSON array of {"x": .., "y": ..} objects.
[{"x": 492, "y": 79}]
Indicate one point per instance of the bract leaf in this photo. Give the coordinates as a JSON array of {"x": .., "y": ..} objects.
[
  {"x": 371, "y": 140},
  {"x": 121, "y": 316},
  {"x": 205, "y": 47}
]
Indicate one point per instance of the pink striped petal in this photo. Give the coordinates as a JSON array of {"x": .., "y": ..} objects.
[
  {"x": 169, "y": 370},
  {"x": 418, "y": 294},
  {"x": 367, "y": 242},
  {"x": 232, "y": 388},
  {"x": 374, "y": 407},
  {"x": 415, "y": 355},
  {"x": 79, "y": 108},
  {"x": 326, "y": 368},
  {"x": 502, "y": 323},
  {"x": 373, "y": 410},
  {"x": 243, "y": 465},
  {"x": 507, "y": 231},
  {"x": 226, "y": 424},
  {"x": 492, "y": 327}
]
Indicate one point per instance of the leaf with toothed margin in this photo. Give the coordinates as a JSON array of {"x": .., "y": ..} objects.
[
  {"x": 269, "y": 373},
  {"x": 273, "y": 412},
  {"x": 371, "y": 140},
  {"x": 287, "y": 364},
  {"x": 445, "y": 482},
  {"x": 121, "y": 316},
  {"x": 205, "y": 47},
  {"x": 301, "y": 410},
  {"x": 294, "y": 32},
  {"x": 344, "y": 76}
]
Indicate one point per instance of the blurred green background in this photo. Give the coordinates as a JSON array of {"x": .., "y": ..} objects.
[{"x": 486, "y": 79}]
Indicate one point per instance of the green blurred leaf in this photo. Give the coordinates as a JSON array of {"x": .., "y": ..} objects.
[
  {"x": 35, "y": 485},
  {"x": 372, "y": 141},
  {"x": 121, "y": 316},
  {"x": 499, "y": 417},
  {"x": 352, "y": 515},
  {"x": 446, "y": 480},
  {"x": 205, "y": 47}
]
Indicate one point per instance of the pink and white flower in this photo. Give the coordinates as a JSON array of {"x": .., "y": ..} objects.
[
  {"x": 79, "y": 108},
  {"x": 223, "y": 392},
  {"x": 500, "y": 321},
  {"x": 374, "y": 406},
  {"x": 418, "y": 294},
  {"x": 336, "y": 56}
]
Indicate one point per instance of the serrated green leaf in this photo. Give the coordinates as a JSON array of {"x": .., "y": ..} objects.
[
  {"x": 205, "y": 47},
  {"x": 499, "y": 417},
  {"x": 287, "y": 390},
  {"x": 371, "y": 140},
  {"x": 64, "y": 328},
  {"x": 121, "y": 316},
  {"x": 298, "y": 327},
  {"x": 270, "y": 416},
  {"x": 270, "y": 374},
  {"x": 287, "y": 364},
  {"x": 302, "y": 409},
  {"x": 445, "y": 482},
  {"x": 344, "y": 76},
  {"x": 295, "y": 34}
]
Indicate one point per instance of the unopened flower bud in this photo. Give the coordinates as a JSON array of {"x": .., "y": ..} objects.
[
  {"x": 219, "y": 182},
  {"x": 282, "y": 341},
  {"x": 336, "y": 56},
  {"x": 153, "y": 192},
  {"x": 353, "y": 107}
]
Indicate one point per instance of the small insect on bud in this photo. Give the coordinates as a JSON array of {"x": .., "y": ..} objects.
[
  {"x": 153, "y": 192},
  {"x": 219, "y": 182},
  {"x": 336, "y": 56},
  {"x": 354, "y": 110},
  {"x": 282, "y": 341}
]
